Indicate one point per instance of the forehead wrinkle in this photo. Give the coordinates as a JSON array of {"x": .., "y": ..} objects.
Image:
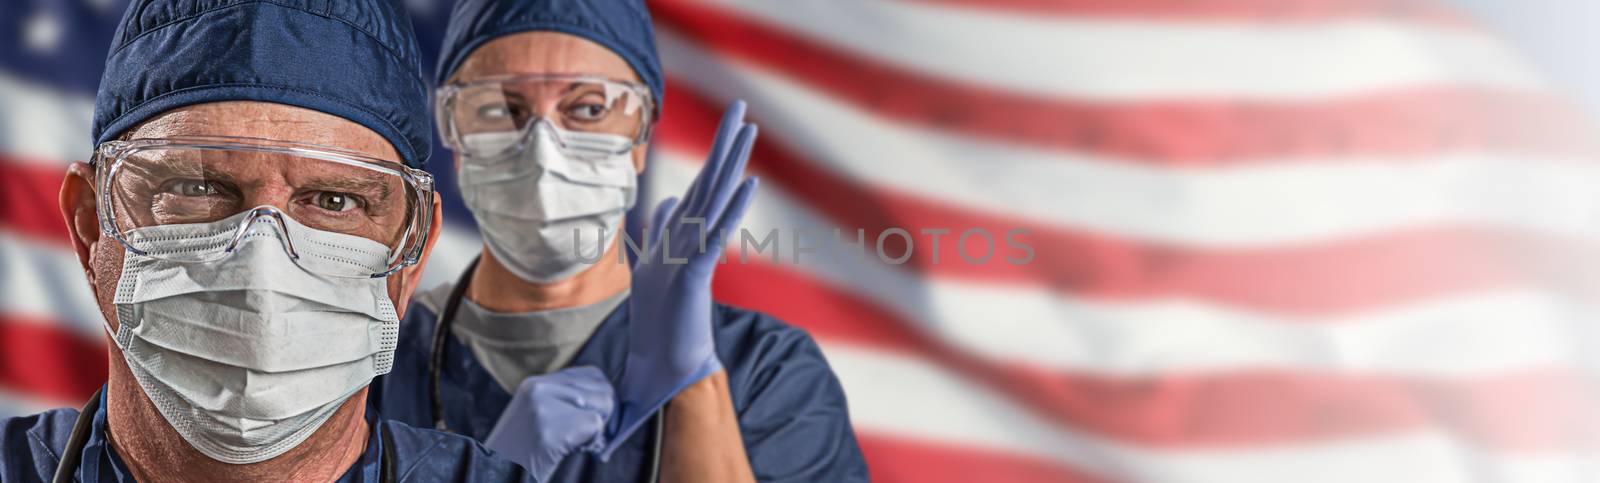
[
  {"x": 348, "y": 184},
  {"x": 164, "y": 125}
]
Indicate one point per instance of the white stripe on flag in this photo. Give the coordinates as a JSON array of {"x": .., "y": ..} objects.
[
  {"x": 41, "y": 124},
  {"x": 906, "y": 397},
  {"x": 42, "y": 281},
  {"x": 1121, "y": 59},
  {"x": 1259, "y": 204},
  {"x": 1505, "y": 329}
]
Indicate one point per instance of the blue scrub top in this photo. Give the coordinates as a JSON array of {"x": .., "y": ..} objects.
[
  {"x": 791, "y": 409},
  {"x": 30, "y": 449}
]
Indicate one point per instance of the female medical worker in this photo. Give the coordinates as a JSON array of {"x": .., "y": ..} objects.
[{"x": 548, "y": 106}]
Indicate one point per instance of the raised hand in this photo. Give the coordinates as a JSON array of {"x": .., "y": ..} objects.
[{"x": 669, "y": 335}]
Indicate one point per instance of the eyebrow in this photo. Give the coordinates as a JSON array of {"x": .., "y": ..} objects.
[
  {"x": 351, "y": 185},
  {"x": 567, "y": 89},
  {"x": 193, "y": 170}
]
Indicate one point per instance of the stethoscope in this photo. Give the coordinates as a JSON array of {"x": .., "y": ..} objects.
[
  {"x": 436, "y": 363},
  {"x": 71, "y": 457}
]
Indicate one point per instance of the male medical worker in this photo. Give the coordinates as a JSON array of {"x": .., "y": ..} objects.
[
  {"x": 252, "y": 224},
  {"x": 548, "y": 106}
]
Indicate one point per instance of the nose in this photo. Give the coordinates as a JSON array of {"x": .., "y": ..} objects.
[
  {"x": 542, "y": 126},
  {"x": 264, "y": 218}
]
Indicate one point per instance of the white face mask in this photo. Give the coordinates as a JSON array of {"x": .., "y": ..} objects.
[
  {"x": 248, "y": 355},
  {"x": 547, "y": 210}
]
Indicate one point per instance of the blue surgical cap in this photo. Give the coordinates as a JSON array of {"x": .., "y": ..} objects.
[
  {"x": 356, "y": 59},
  {"x": 620, "y": 25}
]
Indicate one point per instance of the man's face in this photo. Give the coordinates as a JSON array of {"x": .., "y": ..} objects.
[
  {"x": 251, "y": 181},
  {"x": 548, "y": 53}
]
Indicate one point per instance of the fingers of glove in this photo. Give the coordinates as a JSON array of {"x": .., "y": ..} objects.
[
  {"x": 548, "y": 396},
  {"x": 735, "y": 212},
  {"x": 583, "y": 387},
  {"x": 692, "y": 193},
  {"x": 732, "y": 119},
  {"x": 558, "y": 397},
  {"x": 658, "y": 222},
  {"x": 597, "y": 424},
  {"x": 732, "y": 175},
  {"x": 584, "y": 431},
  {"x": 727, "y": 132},
  {"x": 598, "y": 397},
  {"x": 597, "y": 442},
  {"x": 726, "y": 228},
  {"x": 586, "y": 377}
]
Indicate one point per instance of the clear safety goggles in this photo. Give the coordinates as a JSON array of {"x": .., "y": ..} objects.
[
  {"x": 150, "y": 183},
  {"x": 507, "y": 108}
]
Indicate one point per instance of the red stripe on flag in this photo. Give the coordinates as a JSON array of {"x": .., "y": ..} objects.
[
  {"x": 1227, "y": 10},
  {"x": 1197, "y": 133},
  {"x": 903, "y": 460},
  {"x": 41, "y": 360},
  {"x": 1534, "y": 409},
  {"x": 1311, "y": 278},
  {"x": 28, "y": 193}
]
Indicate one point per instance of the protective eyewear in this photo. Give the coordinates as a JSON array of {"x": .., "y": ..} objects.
[
  {"x": 150, "y": 183},
  {"x": 507, "y": 108}
]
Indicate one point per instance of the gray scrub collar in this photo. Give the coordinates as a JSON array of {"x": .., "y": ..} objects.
[{"x": 544, "y": 328}]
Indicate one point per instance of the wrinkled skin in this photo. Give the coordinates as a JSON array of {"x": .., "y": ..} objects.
[{"x": 141, "y": 436}]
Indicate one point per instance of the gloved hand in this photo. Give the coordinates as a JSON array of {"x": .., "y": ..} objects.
[
  {"x": 552, "y": 415},
  {"x": 669, "y": 338}
]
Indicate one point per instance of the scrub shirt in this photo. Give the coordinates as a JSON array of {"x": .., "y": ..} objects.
[{"x": 30, "y": 449}]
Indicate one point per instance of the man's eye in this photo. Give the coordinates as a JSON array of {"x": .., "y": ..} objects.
[
  {"x": 193, "y": 187},
  {"x": 333, "y": 201}
]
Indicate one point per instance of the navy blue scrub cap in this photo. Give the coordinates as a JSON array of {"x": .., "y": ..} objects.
[
  {"x": 620, "y": 25},
  {"x": 356, "y": 59}
]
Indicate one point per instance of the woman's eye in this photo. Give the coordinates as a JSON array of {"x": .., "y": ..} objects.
[
  {"x": 587, "y": 112},
  {"x": 193, "y": 187},
  {"x": 332, "y": 201}
]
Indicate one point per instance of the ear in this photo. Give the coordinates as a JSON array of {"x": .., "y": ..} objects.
[
  {"x": 412, "y": 276},
  {"x": 81, "y": 214}
]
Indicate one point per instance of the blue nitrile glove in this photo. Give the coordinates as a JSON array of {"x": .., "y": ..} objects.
[
  {"x": 669, "y": 338},
  {"x": 552, "y": 415}
]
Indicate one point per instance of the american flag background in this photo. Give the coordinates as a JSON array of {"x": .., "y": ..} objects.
[{"x": 1274, "y": 240}]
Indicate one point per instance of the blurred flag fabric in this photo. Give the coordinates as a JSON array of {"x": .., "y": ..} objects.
[{"x": 1308, "y": 240}]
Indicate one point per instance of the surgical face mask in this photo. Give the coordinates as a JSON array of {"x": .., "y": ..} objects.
[
  {"x": 248, "y": 355},
  {"x": 547, "y": 210}
]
